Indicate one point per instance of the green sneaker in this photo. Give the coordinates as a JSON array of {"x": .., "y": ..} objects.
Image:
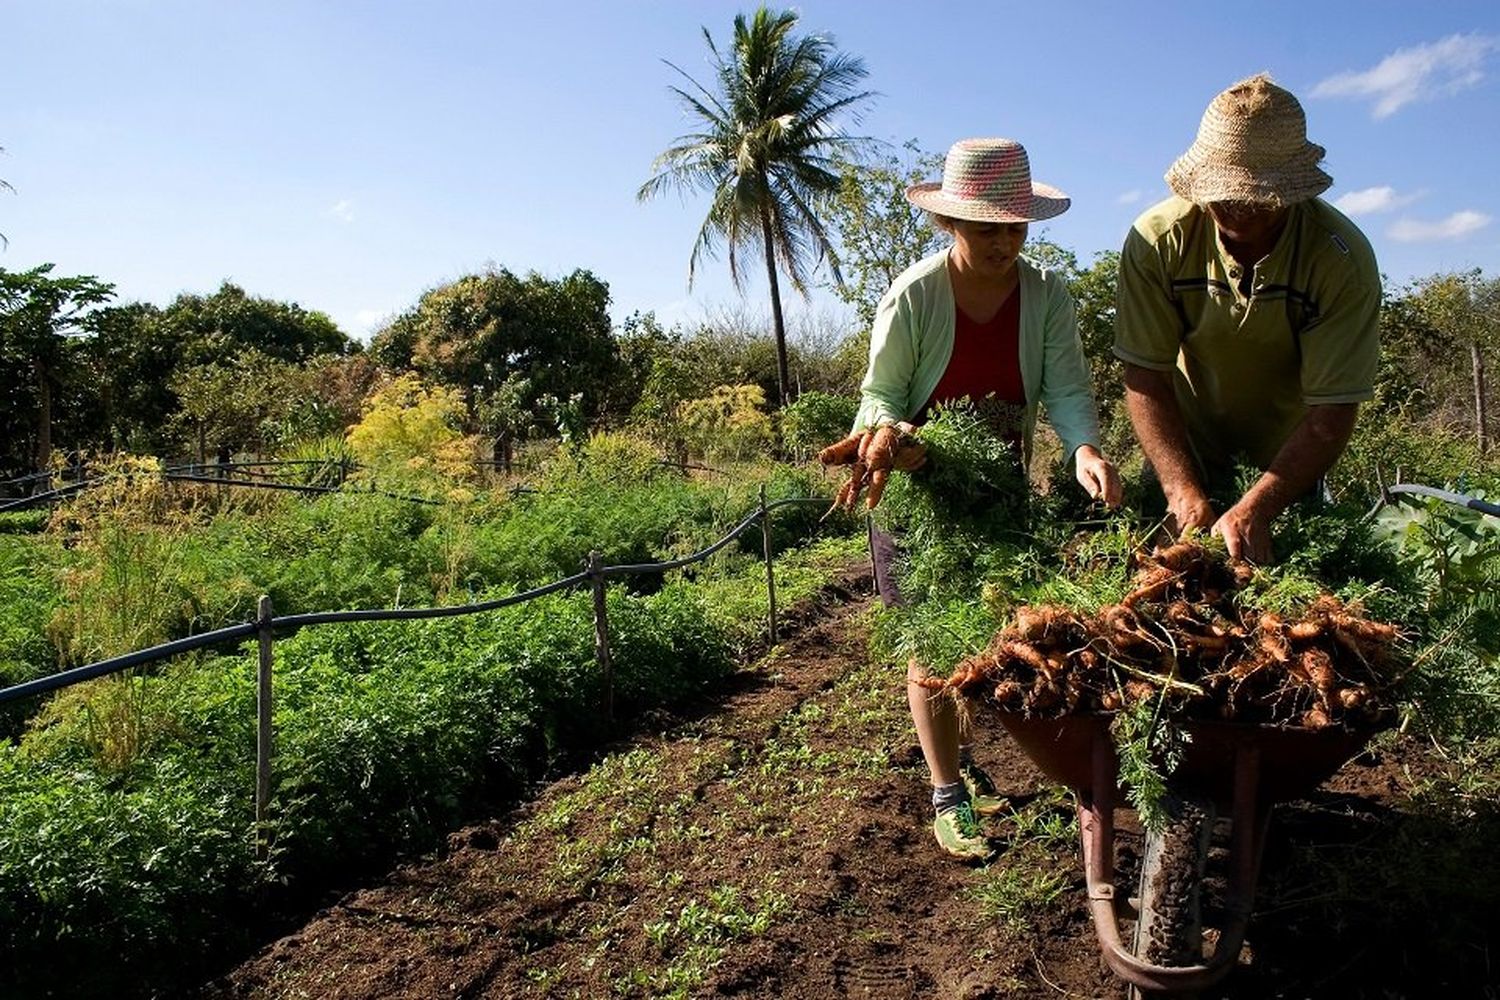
[
  {"x": 957, "y": 831},
  {"x": 982, "y": 792}
]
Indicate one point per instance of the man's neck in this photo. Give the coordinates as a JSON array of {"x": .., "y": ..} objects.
[{"x": 1249, "y": 252}]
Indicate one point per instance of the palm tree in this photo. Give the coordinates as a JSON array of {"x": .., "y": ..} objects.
[{"x": 766, "y": 151}]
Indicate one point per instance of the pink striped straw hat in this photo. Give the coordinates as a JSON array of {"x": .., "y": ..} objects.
[{"x": 988, "y": 180}]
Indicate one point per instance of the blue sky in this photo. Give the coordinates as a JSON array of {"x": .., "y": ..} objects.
[{"x": 348, "y": 156}]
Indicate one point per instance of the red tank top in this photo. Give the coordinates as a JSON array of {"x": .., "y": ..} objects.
[{"x": 986, "y": 367}]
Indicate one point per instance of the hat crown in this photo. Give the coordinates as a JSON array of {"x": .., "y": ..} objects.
[
  {"x": 1252, "y": 147},
  {"x": 993, "y": 171},
  {"x": 1255, "y": 124}
]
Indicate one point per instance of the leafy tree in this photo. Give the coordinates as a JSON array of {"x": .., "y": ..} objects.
[
  {"x": 878, "y": 232},
  {"x": 814, "y": 420},
  {"x": 640, "y": 343},
  {"x": 764, "y": 151},
  {"x": 219, "y": 326},
  {"x": 126, "y": 393},
  {"x": 487, "y": 331},
  {"x": 1093, "y": 291},
  {"x": 239, "y": 403},
  {"x": 1461, "y": 316},
  {"x": 329, "y": 396},
  {"x": 39, "y": 317}
]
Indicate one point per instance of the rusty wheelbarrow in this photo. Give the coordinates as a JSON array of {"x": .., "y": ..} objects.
[{"x": 1235, "y": 769}]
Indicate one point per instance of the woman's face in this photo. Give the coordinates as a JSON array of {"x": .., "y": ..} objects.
[{"x": 989, "y": 249}]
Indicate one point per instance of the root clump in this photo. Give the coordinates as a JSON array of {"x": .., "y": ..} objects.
[{"x": 1183, "y": 633}]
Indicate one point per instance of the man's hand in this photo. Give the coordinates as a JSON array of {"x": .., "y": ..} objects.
[
  {"x": 1097, "y": 475},
  {"x": 1247, "y": 532},
  {"x": 1188, "y": 508}
]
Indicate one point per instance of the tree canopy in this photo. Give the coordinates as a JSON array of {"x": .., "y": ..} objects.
[{"x": 508, "y": 340}]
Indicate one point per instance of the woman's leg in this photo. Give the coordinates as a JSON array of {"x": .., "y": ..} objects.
[{"x": 936, "y": 719}]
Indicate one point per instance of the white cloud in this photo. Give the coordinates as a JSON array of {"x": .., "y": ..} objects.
[
  {"x": 1455, "y": 226},
  {"x": 342, "y": 210},
  {"x": 1416, "y": 74},
  {"x": 1129, "y": 197},
  {"x": 1369, "y": 201}
]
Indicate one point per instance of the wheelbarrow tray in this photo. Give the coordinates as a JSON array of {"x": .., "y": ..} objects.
[
  {"x": 1244, "y": 768},
  {"x": 1293, "y": 761}
]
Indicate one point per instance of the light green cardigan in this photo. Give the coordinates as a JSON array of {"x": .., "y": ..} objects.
[{"x": 912, "y": 342}]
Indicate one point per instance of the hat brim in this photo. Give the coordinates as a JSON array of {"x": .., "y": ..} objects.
[
  {"x": 1045, "y": 203},
  {"x": 1200, "y": 176}
]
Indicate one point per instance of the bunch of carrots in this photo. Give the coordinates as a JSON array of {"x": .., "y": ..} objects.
[
  {"x": 1180, "y": 633},
  {"x": 872, "y": 454}
]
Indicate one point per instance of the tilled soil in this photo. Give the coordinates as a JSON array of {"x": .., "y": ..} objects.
[{"x": 775, "y": 843}]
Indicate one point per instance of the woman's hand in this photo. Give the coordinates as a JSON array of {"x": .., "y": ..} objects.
[
  {"x": 1097, "y": 475},
  {"x": 873, "y": 453}
]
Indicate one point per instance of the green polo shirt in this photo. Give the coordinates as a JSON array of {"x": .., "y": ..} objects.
[{"x": 1247, "y": 368}]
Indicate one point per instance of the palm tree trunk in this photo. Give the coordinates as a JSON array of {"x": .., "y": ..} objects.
[
  {"x": 783, "y": 380},
  {"x": 44, "y": 416}
]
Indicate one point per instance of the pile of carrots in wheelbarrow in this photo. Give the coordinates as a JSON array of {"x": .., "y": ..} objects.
[{"x": 1186, "y": 633}]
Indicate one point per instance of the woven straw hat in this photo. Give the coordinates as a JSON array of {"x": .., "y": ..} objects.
[
  {"x": 988, "y": 180},
  {"x": 1251, "y": 147}
]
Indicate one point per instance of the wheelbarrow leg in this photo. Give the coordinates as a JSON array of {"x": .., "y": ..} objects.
[{"x": 1096, "y": 825}]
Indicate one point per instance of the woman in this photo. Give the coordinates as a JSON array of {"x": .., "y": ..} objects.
[{"x": 978, "y": 321}]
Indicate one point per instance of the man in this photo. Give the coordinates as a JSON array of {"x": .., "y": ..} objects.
[{"x": 1247, "y": 319}]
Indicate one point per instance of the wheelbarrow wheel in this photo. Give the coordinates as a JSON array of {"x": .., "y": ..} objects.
[{"x": 1169, "y": 930}]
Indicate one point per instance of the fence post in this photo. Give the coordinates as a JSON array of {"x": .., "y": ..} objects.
[
  {"x": 1480, "y": 417},
  {"x": 765, "y": 535},
  {"x": 601, "y": 632},
  {"x": 263, "y": 727}
]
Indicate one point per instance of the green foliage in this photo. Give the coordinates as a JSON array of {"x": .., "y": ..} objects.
[
  {"x": 815, "y": 420},
  {"x": 1451, "y": 557},
  {"x": 962, "y": 515},
  {"x": 241, "y": 402},
  {"x": 387, "y": 735},
  {"x": 229, "y": 321},
  {"x": 879, "y": 232},
  {"x": 410, "y": 428},
  {"x": 729, "y": 424},
  {"x": 29, "y": 597},
  {"x": 1149, "y": 746},
  {"x": 506, "y": 342},
  {"x": 1388, "y": 445},
  {"x": 127, "y": 587},
  {"x": 41, "y": 318}
]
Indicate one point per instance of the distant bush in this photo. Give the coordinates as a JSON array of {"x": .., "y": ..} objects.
[{"x": 814, "y": 420}]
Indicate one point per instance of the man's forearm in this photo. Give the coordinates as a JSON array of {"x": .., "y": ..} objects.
[
  {"x": 1309, "y": 452},
  {"x": 1152, "y": 404}
]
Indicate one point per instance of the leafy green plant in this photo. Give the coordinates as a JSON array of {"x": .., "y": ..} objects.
[
  {"x": 1149, "y": 745},
  {"x": 814, "y": 420},
  {"x": 729, "y": 424}
]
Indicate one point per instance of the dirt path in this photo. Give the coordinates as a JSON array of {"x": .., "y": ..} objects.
[{"x": 776, "y": 845}]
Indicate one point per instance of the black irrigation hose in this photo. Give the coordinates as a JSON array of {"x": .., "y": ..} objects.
[
  {"x": 65, "y": 491},
  {"x": 66, "y": 678}
]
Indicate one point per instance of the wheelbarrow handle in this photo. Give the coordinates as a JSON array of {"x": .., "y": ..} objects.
[{"x": 1447, "y": 496}]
